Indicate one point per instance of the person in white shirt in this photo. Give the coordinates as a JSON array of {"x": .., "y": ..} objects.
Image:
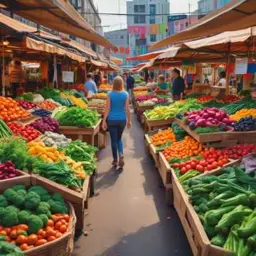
[{"x": 219, "y": 89}]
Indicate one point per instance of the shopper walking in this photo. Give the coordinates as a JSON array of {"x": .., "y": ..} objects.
[
  {"x": 130, "y": 82},
  {"x": 178, "y": 88},
  {"x": 90, "y": 85},
  {"x": 117, "y": 115}
]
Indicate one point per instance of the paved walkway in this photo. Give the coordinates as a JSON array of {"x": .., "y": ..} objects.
[{"x": 128, "y": 216}]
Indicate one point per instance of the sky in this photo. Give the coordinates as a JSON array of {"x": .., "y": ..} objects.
[{"x": 118, "y": 22}]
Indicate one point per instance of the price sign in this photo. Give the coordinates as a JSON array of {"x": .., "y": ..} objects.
[{"x": 68, "y": 76}]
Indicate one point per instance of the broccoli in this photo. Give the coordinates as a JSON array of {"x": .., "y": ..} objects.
[
  {"x": 39, "y": 190},
  {"x": 9, "y": 194},
  {"x": 3, "y": 201},
  {"x": 24, "y": 216},
  {"x": 57, "y": 197},
  {"x": 10, "y": 219},
  {"x": 58, "y": 207},
  {"x": 34, "y": 223},
  {"x": 18, "y": 188},
  {"x": 2, "y": 213},
  {"x": 45, "y": 198},
  {"x": 12, "y": 208},
  {"x": 19, "y": 199},
  {"x": 32, "y": 201},
  {"x": 44, "y": 218},
  {"x": 44, "y": 208}
]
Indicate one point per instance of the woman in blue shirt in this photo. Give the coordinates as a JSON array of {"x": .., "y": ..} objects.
[{"x": 116, "y": 117}]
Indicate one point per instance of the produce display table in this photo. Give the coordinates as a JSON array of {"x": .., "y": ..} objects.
[
  {"x": 235, "y": 137},
  {"x": 140, "y": 111},
  {"x": 79, "y": 200},
  {"x": 156, "y": 124},
  {"x": 89, "y": 135},
  {"x": 201, "y": 88},
  {"x": 99, "y": 110}
]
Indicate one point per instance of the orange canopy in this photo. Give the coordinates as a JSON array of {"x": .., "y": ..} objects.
[{"x": 59, "y": 15}]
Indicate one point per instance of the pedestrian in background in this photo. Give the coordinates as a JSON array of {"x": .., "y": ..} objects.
[
  {"x": 90, "y": 85},
  {"x": 130, "y": 82},
  {"x": 178, "y": 88},
  {"x": 117, "y": 115}
]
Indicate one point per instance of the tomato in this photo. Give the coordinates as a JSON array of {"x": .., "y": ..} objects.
[
  {"x": 50, "y": 223},
  {"x": 203, "y": 163},
  {"x": 22, "y": 239},
  {"x": 50, "y": 232},
  {"x": 58, "y": 235},
  {"x": 32, "y": 239},
  {"x": 13, "y": 234},
  {"x": 176, "y": 165},
  {"x": 23, "y": 227},
  {"x": 214, "y": 165},
  {"x": 183, "y": 170},
  {"x": 58, "y": 225},
  {"x": 188, "y": 167},
  {"x": 24, "y": 247},
  {"x": 182, "y": 164},
  {"x": 193, "y": 165},
  {"x": 41, "y": 242},
  {"x": 200, "y": 168},
  {"x": 51, "y": 238},
  {"x": 3, "y": 233},
  {"x": 63, "y": 229}
]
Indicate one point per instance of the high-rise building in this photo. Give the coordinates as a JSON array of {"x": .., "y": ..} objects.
[
  {"x": 120, "y": 39},
  {"x": 90, "y": 13},
  {"x": 221, "y": 3},
  {"x": 141, "y": 15}
]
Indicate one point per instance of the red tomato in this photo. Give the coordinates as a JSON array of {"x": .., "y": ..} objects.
[{"x": 200, "y": 168}]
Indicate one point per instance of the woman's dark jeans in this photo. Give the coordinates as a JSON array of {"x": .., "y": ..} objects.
[{"x": 116, "y": 129}]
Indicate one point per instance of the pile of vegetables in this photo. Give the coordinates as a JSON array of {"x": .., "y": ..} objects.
[
  {"x": 208, "y": 117},
  {"x": 47, "y": 105},
  {"x": 140, "y": 88},
  {"x": 163, "y": 137},
  {"x": 8, "y": 171},
  {"x": 26, "y": 104},
  {"x": 49, "y": 93},
  {"x": 245, "y": 124},
  {"x": 168, "y": 112},
  {"x": 27, "y": 96},
  {"x": 4, "y": 130},
  {"x": 79, "y": 102},
  {"x": 51, "y": 139},
  {"x": 15, "y": 149},
  {"x": 76, "y": 116},
  {"x": 10, "y": 110},
  {"x": 8, "y": 249},
  {"x": 100, "y": 95},
  {"x": 41, "y": 113},
  {"x": 47, "y": 154},
  {"x": 226, "y": 207},
  {"x": 229, "y": 98},
  {"x": 203, "y": 99},
  {"x": 60, "y": 173},
  {"x": 183, "y": 149},
  {"x": 243, "y": 114},
  {"x": 28, "y": 133},
  {"x": 139, "y": 93},
  {"x": 82, "y": 152},
  {"x": 239, "y": 151},
  {"x": 105, "y": 87},
  {"x": 145, "y": 97},
  {"x": 31, "y": 217},
  {"x": 210, "y": 159},
  {"x": 180, "y": 134},
  {"x": 154, "y": 101},
  {"x": 45, "y": 124}
]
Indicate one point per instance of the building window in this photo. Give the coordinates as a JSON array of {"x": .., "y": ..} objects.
[
  {"x": 152, "y": 19},
  {"x": 139, "y": 8},
  {"x": 152, "y": 9},
  {"x": 152, "y": 38},
  {"x": 139, "y": 19},
  {"x": 140, "y": 42}
]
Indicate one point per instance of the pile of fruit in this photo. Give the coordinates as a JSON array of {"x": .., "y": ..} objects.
[
  {"x": 163, "y": 137},
  {"x": 183, "y": 149},
  {"x": 28, "y": 133},
  {"x": 45, "y": 124},
  {"x": 10, "y": 110},
  {"x": 203, "y": 99},
  {"x": 27, "y": 105},
  {"x": 239, "y": 151},
  {"x": 105, "y": 87},
  {"x": 47, "y": 105},
  {"x": 243, "y": 114},
  {"x": 100, "y": 95},
  {"x": 32, "y": 217},
  {"x": 229, "y": 99}
]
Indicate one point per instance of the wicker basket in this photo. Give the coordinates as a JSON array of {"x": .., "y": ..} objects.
[{"x": 62, "y": 246}]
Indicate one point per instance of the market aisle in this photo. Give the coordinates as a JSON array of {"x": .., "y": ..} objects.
[{"x": 129, "y": 216}]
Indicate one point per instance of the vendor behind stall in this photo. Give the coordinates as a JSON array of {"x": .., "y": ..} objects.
[
  {"x": 162, "y": 86},
  {"x": 16, "y": 77},
  {"x": 219, "y": 89},
  {"x": 178, "y": 87}
]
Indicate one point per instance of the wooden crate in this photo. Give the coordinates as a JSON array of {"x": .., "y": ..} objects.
[
  {"x": 227, "y": 137},
  {"x": 165, "y": 170},
  {"x": 140, "y": 111},
  {"x": 24, "y": 179},
  {"x": 156, "y": 124},
  {"x": 89, "y": 135},
  {"x": 197, "y": 237},
  {"x": 155, "y": 155},
  {"x": 78, "y": 199}
]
